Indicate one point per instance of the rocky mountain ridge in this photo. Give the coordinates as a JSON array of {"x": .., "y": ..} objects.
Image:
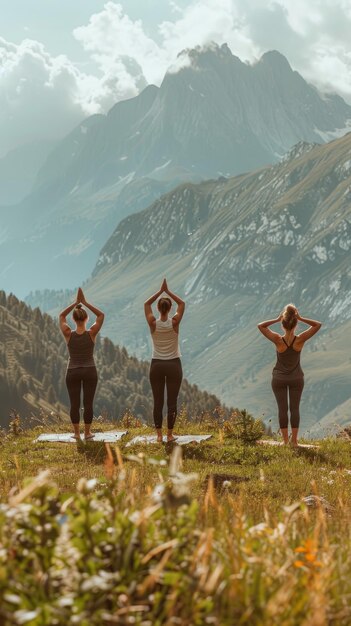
[{"x": 214, "y": 117}]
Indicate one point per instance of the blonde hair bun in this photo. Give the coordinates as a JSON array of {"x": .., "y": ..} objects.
[{"x": 289, "y": 316}]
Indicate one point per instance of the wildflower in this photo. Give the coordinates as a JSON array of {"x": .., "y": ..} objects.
[
  {"x": 23, "y": 616},
  {"x": 308, "y": 552},
  {"x": 259, "y": 528},
  {"x": 279, "y": 530},
  {"x": 102, "y": 581},
  {"x": 12, "y": 598},
  {"x": 91, "y": 484},
  {"x": 84, "y": 485}
]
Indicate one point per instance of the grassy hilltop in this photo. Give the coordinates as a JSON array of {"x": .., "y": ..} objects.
[{"x": 224, "y": 532}]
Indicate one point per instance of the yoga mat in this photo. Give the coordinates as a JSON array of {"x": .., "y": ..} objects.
[
  {"x": 181, "y": 439},
  {"x": 271, "y": 442},
  {"x": 109, "y": 436}
]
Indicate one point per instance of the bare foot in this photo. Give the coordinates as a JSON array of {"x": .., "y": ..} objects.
[
  {"x": 171, "y": 438},
  {"x": 89, "y": 436},
  {"x": 159, "y": 435}
]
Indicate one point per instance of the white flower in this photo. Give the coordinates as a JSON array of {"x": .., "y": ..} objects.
[
  {"x": 101, "y": 581},
  {"x": 158, "y": 493},
  {"x": 22, "y": 617},
  {"x": 65, "y": 601},
  {"x": 259, "y": 528},
  {"x": 91, "y": 484},
  {"x": 279, "y": 530},
  {"x": 12, "y": 598}
]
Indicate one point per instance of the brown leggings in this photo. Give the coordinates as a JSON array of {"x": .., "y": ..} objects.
[
  {"x": 76, "y": 379},
  {"x": 280, "y": 390},
  {"x": 165, "y": 372}
]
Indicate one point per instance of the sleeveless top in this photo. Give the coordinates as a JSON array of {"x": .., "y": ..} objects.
[
  {"x": 81, "y": 349},
  {"x": 165, "y": 341},
  {"x": 288, "y": 365}
]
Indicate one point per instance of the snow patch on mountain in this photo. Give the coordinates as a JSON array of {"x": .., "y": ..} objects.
[
  {"x": 329, "y": 135},
  {"x": 319, "y": 253}
]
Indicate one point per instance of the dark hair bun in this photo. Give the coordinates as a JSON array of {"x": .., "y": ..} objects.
[
  {"x": 79, "y": 313},
  {"x": 164, "y": 305}
]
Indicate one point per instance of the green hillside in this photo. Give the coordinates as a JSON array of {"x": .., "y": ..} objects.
[{"x": 33, "y": 361}]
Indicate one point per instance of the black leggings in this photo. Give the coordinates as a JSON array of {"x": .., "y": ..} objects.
[
  {"x": 75, "y": 378},
  {"x": 165, "y": 372},
  {"x": 280, "y": 389}
]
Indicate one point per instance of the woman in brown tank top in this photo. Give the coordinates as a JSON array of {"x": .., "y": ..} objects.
[
  {"x": 81, "y": 370},
  {"x": 287, "y": 375}
]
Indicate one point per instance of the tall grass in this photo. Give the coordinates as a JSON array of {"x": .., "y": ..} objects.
[{"x": 125, "y": 549}]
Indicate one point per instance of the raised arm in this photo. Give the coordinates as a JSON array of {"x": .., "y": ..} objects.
[
  {"x": 150, "y": 318},
  {"x": 270, "y": 334},
  {"x": 180, "y": 304},
  {"x": 65, "y": 329},
  {"x": 314, "y": 328},
  {"x": 100, "y": 316}
]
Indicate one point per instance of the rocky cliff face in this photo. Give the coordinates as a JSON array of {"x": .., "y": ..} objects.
[
  {"x": 216, "y": 116},
  {"x": 243, "y": 232},
  {"x": 239, "y": 250}
]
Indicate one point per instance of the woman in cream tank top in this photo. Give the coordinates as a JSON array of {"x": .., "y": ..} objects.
[{"x": 166, "y": 368}]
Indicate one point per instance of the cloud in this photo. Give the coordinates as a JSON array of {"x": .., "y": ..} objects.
[
  {"x": 314, "y": 36},
  {"x": 43, "y": 96},
  {"x": 111, "y": 36},
  {"x": 39, "y": 94},
  {"x": 319, "y": 42}
]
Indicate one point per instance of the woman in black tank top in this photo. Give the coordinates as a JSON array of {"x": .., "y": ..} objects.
[
  {"x": 287, "y": 375},
  {"x": 81, "y": 370}
]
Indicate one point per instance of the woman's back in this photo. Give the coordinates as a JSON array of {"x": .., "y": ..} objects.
[
  {"x": 288, "y": 363},
  {"x": 165, "y": 340},
  {"x": 81, "y": 350}
]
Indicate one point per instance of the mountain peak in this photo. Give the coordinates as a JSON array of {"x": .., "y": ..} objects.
[
  {"x": 200, "y": 55},
  {"x": 210, "y": 48},
  {"x": 300, "y": 148},
  {"x": 276, "y": 60}
]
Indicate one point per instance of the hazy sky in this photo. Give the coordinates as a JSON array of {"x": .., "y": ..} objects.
[{"x": 61, "y": 60}]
